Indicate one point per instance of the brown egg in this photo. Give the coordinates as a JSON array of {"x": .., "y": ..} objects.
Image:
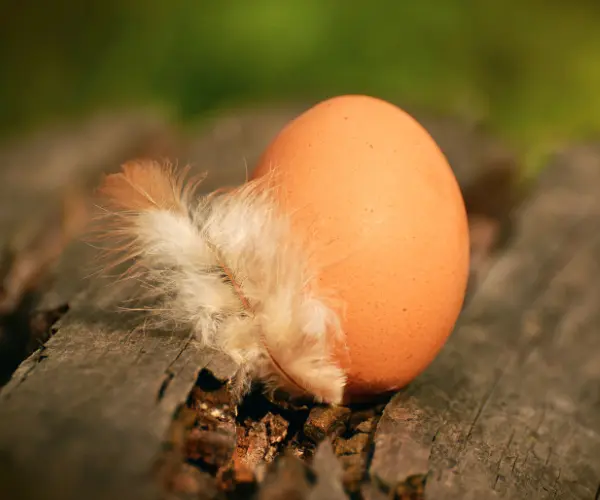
[{"x": 368, "y": 187}]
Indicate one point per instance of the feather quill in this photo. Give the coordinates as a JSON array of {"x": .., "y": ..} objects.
[{"x": 226, "y": 266}]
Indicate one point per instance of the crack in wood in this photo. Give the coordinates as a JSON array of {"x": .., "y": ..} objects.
[
  {"x": 503, "y": 454},
  {"x": 36, "y": 358},
  {"x": 484, "y": 403},
  {"x": 169, "y": 375},
  {"x": 527, "y": 453},
  {"x": 164, "y": 385},
  {"x": 555, "y": 484},
  {"x": 512, "y": 469}
]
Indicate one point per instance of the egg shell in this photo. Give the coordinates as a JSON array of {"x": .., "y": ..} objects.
[{"x": 371, "y": 193}]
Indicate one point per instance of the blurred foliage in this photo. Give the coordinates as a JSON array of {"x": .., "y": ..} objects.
[{"x": 529, "y": 68}]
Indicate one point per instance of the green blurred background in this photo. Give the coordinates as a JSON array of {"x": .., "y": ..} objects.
[{"x": 530, "y": 69}]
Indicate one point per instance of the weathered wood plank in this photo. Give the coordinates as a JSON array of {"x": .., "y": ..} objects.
[
  {"x": 44, "y": 182},
  {"x": 87, "y": 415},
  {"x": 511, "y": 407},
  {"x": 36, "y": 169},
  {"x": 53, "y": 170},
  {"x": 93, "y": 402}
]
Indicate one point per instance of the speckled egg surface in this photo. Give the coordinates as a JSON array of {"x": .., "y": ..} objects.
[{"x": 369, "y": 189}]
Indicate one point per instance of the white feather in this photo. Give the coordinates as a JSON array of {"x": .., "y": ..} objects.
[{"x": 228, "y": 267}]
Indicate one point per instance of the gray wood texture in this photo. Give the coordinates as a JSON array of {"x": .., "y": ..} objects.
[
  {"x": 87, "y": 415},
  {"x": 511, "y": 407}
]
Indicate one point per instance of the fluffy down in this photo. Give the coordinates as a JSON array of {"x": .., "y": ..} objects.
[{"x": 226, "y": 266}]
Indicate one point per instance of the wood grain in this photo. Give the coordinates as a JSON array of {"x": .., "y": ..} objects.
[
  {"x": 511, "y": 407},
  {"x": 88, "y": 414}
]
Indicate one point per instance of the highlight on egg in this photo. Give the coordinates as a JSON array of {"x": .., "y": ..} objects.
[{"x": 374, "y": 199}]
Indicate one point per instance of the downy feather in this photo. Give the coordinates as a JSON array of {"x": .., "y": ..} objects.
[{"x": 226, "y": 266}]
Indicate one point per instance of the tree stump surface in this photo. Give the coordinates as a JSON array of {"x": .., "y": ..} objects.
[
  {"x": 511, "y": 407},
  {"x": 106, "y": 409}
]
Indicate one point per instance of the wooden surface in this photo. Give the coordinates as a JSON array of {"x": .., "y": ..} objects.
[
  {"x": 510, "y": 409},
  {"x": 83, "y": 416}
]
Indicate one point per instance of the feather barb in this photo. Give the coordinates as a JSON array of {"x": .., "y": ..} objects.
[{"x": 226, "y": 266}]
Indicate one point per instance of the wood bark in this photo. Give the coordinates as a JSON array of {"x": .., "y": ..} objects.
[{"x": 105, "y": 408}]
